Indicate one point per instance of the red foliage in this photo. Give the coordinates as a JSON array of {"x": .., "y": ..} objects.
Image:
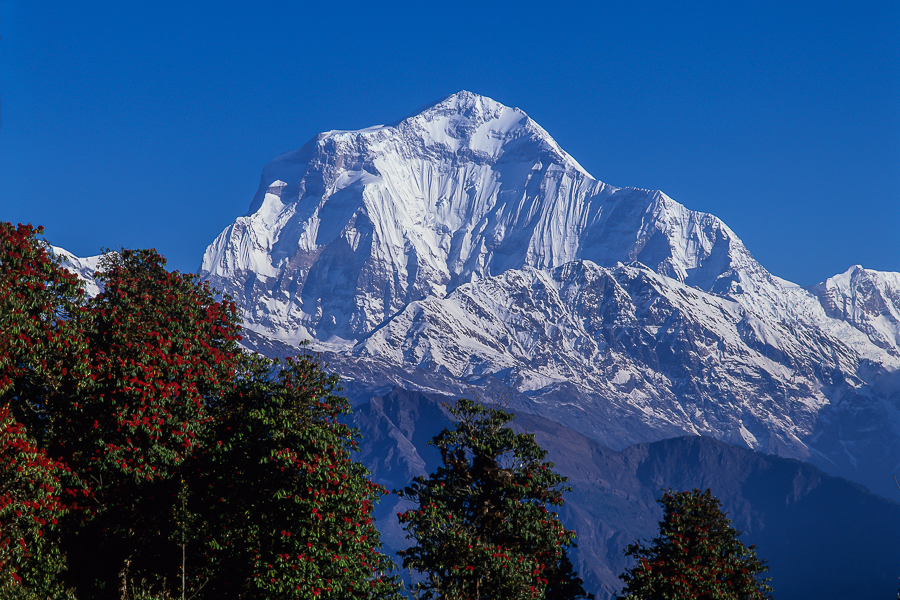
[
  {"x": 41, "y": 345},
  {"x": 160, "y": 346},
  {"x": 170, "y": 439},
  {"x": 30, "y": 509}
]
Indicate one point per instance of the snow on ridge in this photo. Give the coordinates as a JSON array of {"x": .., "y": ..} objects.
[
  {"x": 84, "y": 268},
  {"x": 868, "y": 300},
  {"x": 485, "y": 125},
  {"x": 464, "y": 189},
  {"x": 575, "y": 325},
  {"x": 461, "y": 244}
]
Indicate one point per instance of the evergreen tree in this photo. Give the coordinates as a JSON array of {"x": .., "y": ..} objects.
[
  {"x": 481, "y": 524},
  {"x": 697, "y": 555}
]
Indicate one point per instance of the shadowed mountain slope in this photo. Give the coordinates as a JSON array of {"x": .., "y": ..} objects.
[{"x": 824, "y": 537}]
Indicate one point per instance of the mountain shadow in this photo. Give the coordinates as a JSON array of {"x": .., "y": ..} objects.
[{"x": 823, "y": 537}]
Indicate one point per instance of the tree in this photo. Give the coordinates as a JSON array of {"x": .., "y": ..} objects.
[
  {"x": 41, "y": 348},
  {"x": 160, "y": 455},
  {"x": 285, "y": 511},
  {"x": 160, "y": 348},
  {"x": 481, "y": 525},
  {"x": 30, "y": 508},
  {"x": 42, "y": 341},
  {"x": 563, "y": 582},
  {"x": 210, "y": 470},
  {"x": 697, "y": 555}
]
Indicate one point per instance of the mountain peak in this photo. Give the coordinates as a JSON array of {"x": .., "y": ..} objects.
[
  {"x": 469, "y": 122},
  {"x": 352, "y": 227},
  {"x": 464, "y": 101},
  {"x": 867, "y": 299},
  {"x": 433, "y": 252}
]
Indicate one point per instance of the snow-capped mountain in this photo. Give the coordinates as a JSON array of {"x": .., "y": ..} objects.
[
  {"x": 867, "y": 300},
  {"x": 463, "y": 247},
  {"x": 349, "y": 229},
  {"x": 84, "y": 268}
]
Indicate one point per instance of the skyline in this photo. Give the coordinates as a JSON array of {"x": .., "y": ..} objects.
[{"x": 142, "y": 126}]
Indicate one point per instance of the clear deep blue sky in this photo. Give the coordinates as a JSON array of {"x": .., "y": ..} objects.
[{"x": 147, "y": 124}]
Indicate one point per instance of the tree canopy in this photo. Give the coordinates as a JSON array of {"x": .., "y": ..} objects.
[
  {"x": 480, "y": 524},
  {"x": 696, "y": 556},
  {"x": 282, "y": 509},
  {"x": 143, "y": 453}
]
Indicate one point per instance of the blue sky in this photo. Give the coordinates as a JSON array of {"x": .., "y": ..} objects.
[{"x": 147, "y": 124}]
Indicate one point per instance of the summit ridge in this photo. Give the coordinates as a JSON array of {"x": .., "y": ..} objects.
[{"x": 466, "y": 189}]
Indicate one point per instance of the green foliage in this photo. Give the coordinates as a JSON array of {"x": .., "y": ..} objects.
[
  {"x": 160, "y": 349},
  {"x": 697, "y": 554},
  {"x": 166, "y": 461},
  {"x": 289, "y": 513},
  {"x": 42, "y": 342},
  {"x": 481, "y": 526},
  {"x": 40, "y": 346},
  {"x": 30, "y": 508}
]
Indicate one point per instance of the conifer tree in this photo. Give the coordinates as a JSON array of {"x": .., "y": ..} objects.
[
  {"x": 481, "y": 525},
  {"x": 696, "y": 556}
]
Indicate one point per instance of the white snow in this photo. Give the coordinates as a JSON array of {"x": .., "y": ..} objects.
[
  {"x": 84, "y": 268},
  {"x": 463, "y": 241}
]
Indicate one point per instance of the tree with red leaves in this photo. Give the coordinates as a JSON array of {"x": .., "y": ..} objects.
[
  {"x": 697, "y": 555},
  {"x": 42, "y": 315},
  {"x": 160, "y": 349},
  {"x": 41, "y": 344},
  {"x": 30, "y": 508},
  {"x": 165, "y": 459}
]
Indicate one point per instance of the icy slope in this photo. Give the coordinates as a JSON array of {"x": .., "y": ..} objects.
[
  {"x": 625, "y": 354},
  {"x": 868, "y": 300},
  {"x": 84, "y": 268},
  {"x": 462, "y": 247},
  {"x": 346, "y": 231}
]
